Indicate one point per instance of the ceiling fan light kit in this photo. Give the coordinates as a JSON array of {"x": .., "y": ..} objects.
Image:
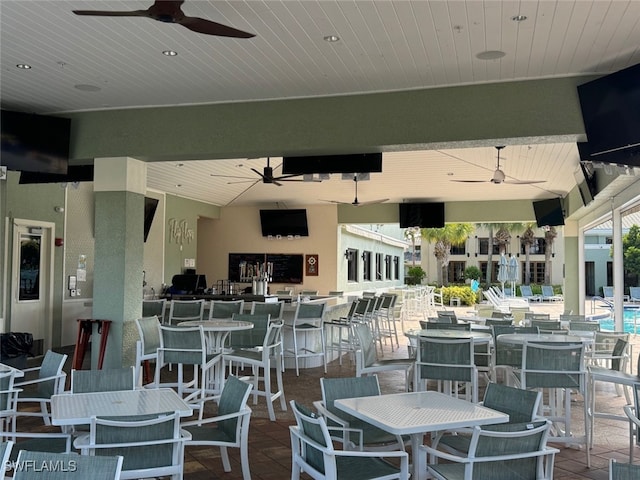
[{"x": 499, "y": 176}]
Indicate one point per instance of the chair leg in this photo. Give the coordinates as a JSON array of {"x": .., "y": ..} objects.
[
  {"x": 267, "y": 392},
  {"x": 224, "y": 454}
]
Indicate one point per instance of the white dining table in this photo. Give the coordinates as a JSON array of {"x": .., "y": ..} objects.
[
  {"x": 217, "y": 331},
  {"x": 8, "y": 368},
  {"x": 478, "y": 336},
  {"x": 78, "y": 408},
  {"x": 521, "y": 338},
  {"x": 418, "y": 413}
]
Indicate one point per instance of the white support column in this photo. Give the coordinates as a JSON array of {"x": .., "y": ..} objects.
[{"x": 618, "y": 268}]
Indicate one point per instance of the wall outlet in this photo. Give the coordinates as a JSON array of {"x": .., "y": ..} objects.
[{"x": 72, "y": 292}]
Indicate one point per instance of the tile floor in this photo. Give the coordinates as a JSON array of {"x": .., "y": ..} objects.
[{"x": 270, "y": 453}]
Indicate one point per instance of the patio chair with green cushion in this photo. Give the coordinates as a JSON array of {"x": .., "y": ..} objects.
[
  {"x": 367, "y": 361},
  {"x": 225, "y": 309},
  {"x": 50, "y": 442},
  {"x": 157, "y": 307},
  {"x": 185, "y": 310},
  {"x": 463, "y": 327},
  {"x": 307, "y": 333},
  {"x": 559, "y": 369},
  {"x": 354, "y": 433},
  {"x": 521, "y": 405},
  {"x": 313, "y": 452},
  {"x": 105, "y": 380},
  {"x": 584, "y": 326},
  {"x": 633, "y": 417},
  {"x": 572, "y": 317},
  {"x": 623, "y": 471},
  {"x": 151, "y": 445},
  {"x": 229, "y": 428},
  {"x": 489, "y": 322},
  {"x": 448, "y": 361},
  {"x": 498, "y": 452},
  {"x": 50, "y": 381},
  {"x": 261, "y": 355},
  {"x": 8, "y": 401},
  {"x": 5, "y": 453},
  {"x": 147, "y": 348},
  {"x": 546, "y": 326},
  {"x": 69, "y": 466}
]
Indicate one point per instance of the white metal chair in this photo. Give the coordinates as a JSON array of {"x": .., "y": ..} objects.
[
  {"x": 261, "y": 358},
  {"x": 147, "y": 348},
  {"x": 8, "y": 401},
  {"x": 68, "y": 466},
  {"x": 157, "y": 307},
  {"x": 225, "y": 309},
  {"x": 313, "y": 453},
  {"x": 50, "y": 381},
  {"x": 623, "y": 471},
  {"x": 632, "y": 413},
  {"x": 5, "y": 453},
  {"x": 185, "y": 310},
  {"x": 339, "y": 335},
  {"x": 505, "y": 451},
  {"x": 229, "y": 428},
  {"x": 151, "y": 445},
  {"x": 307, "y": 334}
]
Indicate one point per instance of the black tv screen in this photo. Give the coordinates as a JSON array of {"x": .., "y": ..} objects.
[
  {"x": 284, "y": 222},
  {"x": 423, "y": 215},
  {"x": 75, "y": 173},
  {"x": 150, "y": 206},
  {"x": 34, "y": 143},
  {"x": 352, "y": 163},
  {"x": 611, "y": 111},
  {"x": 587, "y": 182},
  {"x": 548, "y": 212}
]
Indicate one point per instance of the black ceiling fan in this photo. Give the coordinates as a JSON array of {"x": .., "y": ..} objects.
[
  {"x": 170, "y": 11},
  {"x": 356, "y": 202},
  {"x": 267, "y": 176},
  {"x": 499, "y": 176}
]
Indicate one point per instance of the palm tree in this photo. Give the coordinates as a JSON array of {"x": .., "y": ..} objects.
[
  {"x": 550, "y": 234},
  {"x": 444, "y": 238},
  {"x": 527, "y": 239}
]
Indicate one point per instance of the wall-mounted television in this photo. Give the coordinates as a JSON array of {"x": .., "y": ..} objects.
[
  {"x": 549, "y": 212},
  {"x": 150, "y": 206},
  {"x": 34, "y": 143},
  {"x": 348, "y": 163},
  {"x": 75, "y": 173},
  {"x": 284, "y": 222},
  {"x": 611, "y": 113},
  {"x": 587, "y": 182},
  {"x": 423, "y": 215}
]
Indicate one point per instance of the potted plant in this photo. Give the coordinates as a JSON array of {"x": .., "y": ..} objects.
[{"x": 415, "y": 275}]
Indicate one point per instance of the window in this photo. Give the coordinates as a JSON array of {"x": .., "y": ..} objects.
[
  {"x": 456, "y": 272},
  {"x": 29, "y": 267},
  {"x": 387, "y": 267},
  {"x": 537, "y": 272},
  {"x": 396, "y": 268},
  {"x": 494, "y": 271},
  {"x": 378, "y": 266},
  {"x": 458, "y": 249},
  {"x": 410, "y": 257},
  {"x": 537, "y": 248},
  {"x": 352, "y": 265},
  {"x": 483, "y": 247},
  {"x": 366, "y": 266}
]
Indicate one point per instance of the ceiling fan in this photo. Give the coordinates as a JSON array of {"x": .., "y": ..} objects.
[
  {"x": 499, "y": 176},
  {"x": 355, "y": 202},
  {"x": 169, "y": 11},
  {"x": 266, "y": 176}
]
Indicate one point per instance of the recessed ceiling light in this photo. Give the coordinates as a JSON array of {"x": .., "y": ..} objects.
[
  {"x": 169, "y": 53},
  {"x": 87, "y": 88},
  {"x": 331, "y": 38},
  {"x": 519, "y": 18},
  {"x": 178, "y": 185},
  {"x": 179, "y": 164},
  {"x": 23, "y": 66},
  {"x": 490, "y": 55}
]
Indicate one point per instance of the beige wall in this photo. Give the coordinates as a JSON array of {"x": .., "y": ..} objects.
[{"x": 238, "y": 231}]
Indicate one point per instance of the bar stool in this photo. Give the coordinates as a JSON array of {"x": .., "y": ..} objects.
[{"x": 307, "y": 323}]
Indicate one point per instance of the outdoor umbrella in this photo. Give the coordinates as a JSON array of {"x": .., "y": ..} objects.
[
  {"x": 513, "y": 273},
  {"x": 503, "y": 271}
]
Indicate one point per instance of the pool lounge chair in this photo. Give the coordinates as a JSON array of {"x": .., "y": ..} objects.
[
  {"x": 527, "y": 293},
  {"x": 504, "y": 304},
  {"x": 634, "y": 294},
  {"x": 548, "y": 294}
]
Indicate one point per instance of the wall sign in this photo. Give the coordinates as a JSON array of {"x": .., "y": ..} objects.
[{"x": 311, "y": 265}]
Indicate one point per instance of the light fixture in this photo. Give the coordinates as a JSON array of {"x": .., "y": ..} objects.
[
  {"x": 23, "y": 66},
  {"x": 490, "y": 55},
  {"x": 169, "y": 53},
  {"x": 347, "y": 254},
  {"x": 519, "y": 18},
  {"x": 331, "y": 38},
  {"x": 364, "y": 256}
]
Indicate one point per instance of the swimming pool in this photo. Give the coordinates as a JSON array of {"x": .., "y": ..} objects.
[{"x": 631, "y": 318}]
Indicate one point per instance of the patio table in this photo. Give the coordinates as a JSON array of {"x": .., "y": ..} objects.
[
  {"x": 418, "y": 413},
  {"x": 78, "y": 408},
  {"x": 217, "y": 331}
]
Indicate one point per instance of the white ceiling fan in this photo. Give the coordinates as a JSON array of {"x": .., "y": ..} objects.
[
  {"x": 499, "y": 176},
  {"x": 356, "y": 202}
]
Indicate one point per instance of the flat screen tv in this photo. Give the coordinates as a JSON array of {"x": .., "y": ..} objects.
[
  {"x": 75, "y": 173},
  {"x": 611, "y": 112},
  {"x": 548, "y": 212},
  {"x": 284, "y": 222},
  {"x": 150, "y": 206},
  {"x": 423, "y": 215},
  {"x": 587, "y": 182},
  {"x": 34, "y": 143}
]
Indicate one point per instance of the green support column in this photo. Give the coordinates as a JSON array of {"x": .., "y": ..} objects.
[{"x": 119, "y": 185}]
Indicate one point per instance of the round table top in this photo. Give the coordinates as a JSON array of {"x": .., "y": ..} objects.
[
  {"x": 218, "y": 325},
  {"x": 443, "y": 333},
  {"x": 519, "y": 338}
]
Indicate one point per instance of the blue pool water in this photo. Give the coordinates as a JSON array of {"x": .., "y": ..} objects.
[{"x": 629, "y": 315}]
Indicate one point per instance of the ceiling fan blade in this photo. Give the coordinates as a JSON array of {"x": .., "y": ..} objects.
[
  {"x": 104, "y": 13},
  {"x": 472, "y": 181},
  {"x": 248, "y": 180},
  {"x": 523, "y": 182},
  {"x": 371, "y": 202},
  {"x": 259, "y": 173},
  {"x": 230, "y": 176},
  {"x": 208, "y": 27}
]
